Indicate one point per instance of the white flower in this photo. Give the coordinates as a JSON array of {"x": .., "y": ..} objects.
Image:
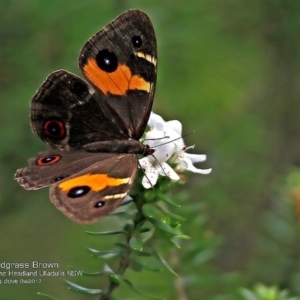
[{"x": 165, "y": 138}]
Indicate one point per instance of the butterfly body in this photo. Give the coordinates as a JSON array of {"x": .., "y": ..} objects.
[{"x": 93, "y": 126}]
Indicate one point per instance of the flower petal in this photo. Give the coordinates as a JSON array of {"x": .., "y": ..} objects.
[
  {"x": 150, "y": 177},
  {"x": 166, "y": 139},
  {"x": 175, "y": 125},
  {"x": 187, "y": 165},
  {"x": 166, "y": 170},
  {"x": 144, "y": 162},
  {"x": 195, "y": 157},
  {"x": 156, "y": 121}
]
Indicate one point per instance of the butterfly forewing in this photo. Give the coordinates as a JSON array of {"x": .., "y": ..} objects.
[{"x": 120, "y": 62}]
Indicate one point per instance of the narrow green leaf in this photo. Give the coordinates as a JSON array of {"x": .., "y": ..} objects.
[
  {"x": 161, "y": 259},
  {"x": 125, "y": 215},
  {"x": 147, "y": 266},
  {"x": 203, "y": 256},
  {"x": 168, "y": 200},
  {"x": 105, "y": 254},
  {"x": 47, "y": 296},
  {"x": 107, "y": 269},
  {"x": 163, "y": 226},
  {"x": 141, "y": 293},
  {"x": 143, "y": 230},
  {"x": 105, "y": 232},
  {"x": 176, "y": 225},
  {"x": 116, "y": 278},
  {"x": 149, "y": 195},
  {"x": 121, "y": 245},
  {"x": 192, "y": 207},
  {"x": 128, "y": 228},
  {"x": 136, "y": 243},
  {"x": 143, "y": 253},
  {"x": 135, "y": 267},
  {"x": 94, "y": 273},
  {"x": 78, "y": 288},
  {"x": 183, "y": 236},
  {"x": 148, "y": 211},
  {"x": 170, "y": 214},
  {"x": 173, "y": 244}
]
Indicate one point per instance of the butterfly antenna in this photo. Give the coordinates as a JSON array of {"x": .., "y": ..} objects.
[{"x": 166, "y": 137}]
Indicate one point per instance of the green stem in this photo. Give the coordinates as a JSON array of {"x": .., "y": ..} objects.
[{"x": 125, "y": 258}]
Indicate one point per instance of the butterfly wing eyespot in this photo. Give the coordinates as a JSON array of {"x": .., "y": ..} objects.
[
  {"x": 99, "y": 204},
  {"x": 78, "y": 191},
  {"x": 59, "y": 178},
  {"x": 48, "y": 160},
  {"x": 55, "y": 128},
  {"x": 137, "y": 41},
  {"x": 107, "y": 61},
  {"x": 78, "y": 87}
]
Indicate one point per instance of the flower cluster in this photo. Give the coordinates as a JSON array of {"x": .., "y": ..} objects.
[{"x": 165, "y": 138}]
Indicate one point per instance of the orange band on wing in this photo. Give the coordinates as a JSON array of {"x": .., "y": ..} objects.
[
  {"x": 97, "y": 182},
  {"x": 117, "y": 82}
]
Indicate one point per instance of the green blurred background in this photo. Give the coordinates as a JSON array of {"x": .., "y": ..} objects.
[{"x": 228, "y": 70}]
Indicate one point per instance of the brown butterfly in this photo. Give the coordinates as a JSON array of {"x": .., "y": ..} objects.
[{"x": 93, "y": 127}]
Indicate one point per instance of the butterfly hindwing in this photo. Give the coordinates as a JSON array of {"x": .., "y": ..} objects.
[
  {"x": 84, "y": 187},
  {"x": 49, "y": 167},
  {"x": 66, "y": 115},
  {"x": 96, "y": 191}
]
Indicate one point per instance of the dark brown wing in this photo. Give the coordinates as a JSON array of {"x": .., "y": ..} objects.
[
  {"x": 96, "y": 191},
  {"x": 120, "y": 62},
  {"x": 66, "y": 115},
  {"x": 49, "y": 167}
]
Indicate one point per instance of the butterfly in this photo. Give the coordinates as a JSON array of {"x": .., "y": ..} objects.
[{"x": 93, "y": 127}]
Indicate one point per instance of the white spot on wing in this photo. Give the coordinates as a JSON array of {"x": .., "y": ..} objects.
[
  {"x": 148, "y": 57},
  {"x": 115, "y": 196}
]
